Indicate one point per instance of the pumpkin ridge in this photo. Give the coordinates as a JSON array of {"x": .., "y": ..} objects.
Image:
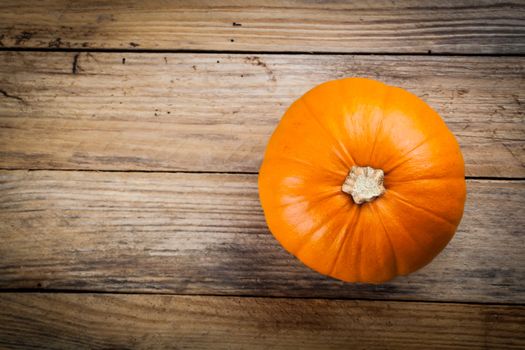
[
  {"x": 312, "y": 232},
  {"x": 377, "y": 213},
  {"x": 372, "y": 149},
  {"x": 410, "y": 204},
  {"x": 410, "y": 234},
  {"x": 303, "y": 162},
  {"x": 380, "y": 126},
  {"x": 352, "y": 237},
  {"x": 351, "y": 221},
  {"x": 359, "y": 251},
  {"x": 327, "y": 132},
  {"x": 446, "y": 177},
  {"x": 319, "y": 198},
  {"x": 404, "y": 158}
]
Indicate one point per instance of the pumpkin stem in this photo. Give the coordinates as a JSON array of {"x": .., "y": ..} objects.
[{"x": 364, "y": 184}]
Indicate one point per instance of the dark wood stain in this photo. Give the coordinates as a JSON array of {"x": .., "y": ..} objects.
[
  {"x": 55, "y": 43},
  {"x": 23, "y": 37},
  {"x": 257, "y": 61}
]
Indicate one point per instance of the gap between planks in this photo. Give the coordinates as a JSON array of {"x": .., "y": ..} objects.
[
  {"x": 251, "y": 296},
  {"x": 247, "y": 52}
]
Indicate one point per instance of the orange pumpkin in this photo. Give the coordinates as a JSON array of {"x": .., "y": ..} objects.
[{"x": 362, "y": 181}]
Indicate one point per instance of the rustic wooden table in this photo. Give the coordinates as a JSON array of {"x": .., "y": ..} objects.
[{"x": 130, "y": 138}]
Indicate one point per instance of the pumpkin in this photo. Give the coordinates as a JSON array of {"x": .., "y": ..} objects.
[{"x": 362, "y": 181}]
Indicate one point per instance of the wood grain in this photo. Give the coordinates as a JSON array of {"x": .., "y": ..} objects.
[
  {"x": 205, "y": 234},
  {"x": 85, "y": 321},
  {"x": 493, "y": 27},
  {"x": 215, "y": 112}
]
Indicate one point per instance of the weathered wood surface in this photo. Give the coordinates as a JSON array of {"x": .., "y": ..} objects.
[
  {"x": 336, "y": 26},
  {"x": 86, "y": 321},
  {"x": 205, "y": 234},
  {"x": 191, "y": 233},
  {"x": 215, "y": 112}
]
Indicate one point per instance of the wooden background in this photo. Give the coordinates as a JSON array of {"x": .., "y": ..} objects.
[{"x": 131, "y": 134}]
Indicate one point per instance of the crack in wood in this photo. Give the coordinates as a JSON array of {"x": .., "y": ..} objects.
[
  {"x": 74, "y": 69},
  {"x": 23, "y": 37},
  {"x": 7, "y": 95}
]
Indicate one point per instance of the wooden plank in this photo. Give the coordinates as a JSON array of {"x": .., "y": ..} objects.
[
  {"x": 86, "y": 321},
  {"x": 467, "y": 26},
  {"x": 215, "y": 112},
  {"x": 205, "y": 234}
]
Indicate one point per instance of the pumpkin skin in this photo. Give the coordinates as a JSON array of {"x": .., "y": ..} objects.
[{"x": 361, "y": 122}]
